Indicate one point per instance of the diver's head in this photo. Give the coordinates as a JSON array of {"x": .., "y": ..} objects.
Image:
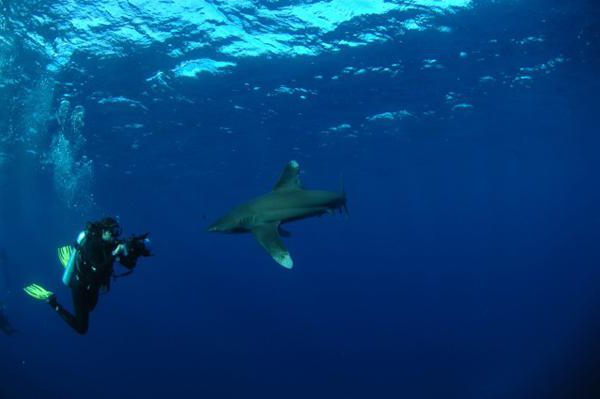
[
  {"x": 107, "y": 235},
  {"x": 110, "y": 229},
  {"x": 107, "y": 228}
]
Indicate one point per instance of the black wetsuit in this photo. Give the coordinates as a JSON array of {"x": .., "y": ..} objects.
[
  {"x": 93, "y": 270},
  {"x": 5, "y": 324},
  {"x": 4, "y": 269}
]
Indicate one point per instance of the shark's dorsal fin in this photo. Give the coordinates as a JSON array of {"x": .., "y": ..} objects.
[
  {"x": 267, "y": 235},
  {"x": 289, "y": 179}
]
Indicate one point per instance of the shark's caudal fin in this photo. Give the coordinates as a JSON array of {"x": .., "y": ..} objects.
[
  {"x": 344, "y": 207},
  {"x": 344, "y": 210},
  {"x": 289, "y": 179},
  {"x": 267, "y": 235}
]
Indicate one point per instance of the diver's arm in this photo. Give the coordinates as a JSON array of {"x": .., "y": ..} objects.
[
  {"x": 121, "y": 249},
  {"x": 122, "y": 254},
  {"x": 129, "y": 251}
]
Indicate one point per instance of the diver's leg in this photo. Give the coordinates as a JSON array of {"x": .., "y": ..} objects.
[{"x": 79, "y": 321}]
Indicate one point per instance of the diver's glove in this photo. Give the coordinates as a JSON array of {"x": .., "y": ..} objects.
[{"x": 40, "y": 293}]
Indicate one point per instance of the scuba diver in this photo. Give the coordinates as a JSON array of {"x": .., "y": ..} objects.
[
  {"x": 4, "y": 323},
  {"x": 4, "y": 270},
  {"x": 89, "y": 268}
]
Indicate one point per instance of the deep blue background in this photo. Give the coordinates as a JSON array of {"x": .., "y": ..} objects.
[{"x": 468, "y": 267}]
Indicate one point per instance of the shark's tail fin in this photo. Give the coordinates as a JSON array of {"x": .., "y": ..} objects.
[{"x": 344, "y": 206}]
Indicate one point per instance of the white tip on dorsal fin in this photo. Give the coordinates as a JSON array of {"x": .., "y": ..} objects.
[{"x": 289, "y": 179}]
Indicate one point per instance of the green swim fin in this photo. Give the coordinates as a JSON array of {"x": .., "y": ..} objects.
[
  {"x": 37, "y": 292},
  {"x": 64, "y": 254}
]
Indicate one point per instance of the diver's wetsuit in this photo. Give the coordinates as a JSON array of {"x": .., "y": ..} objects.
[
  {"x": 5, "y": 324},
  {"x": 93, "y": 270}
]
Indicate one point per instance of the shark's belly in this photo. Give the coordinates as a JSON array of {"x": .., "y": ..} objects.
[
  {"x": 289, "y": 206},
  {"x": 290, "y": 214}
]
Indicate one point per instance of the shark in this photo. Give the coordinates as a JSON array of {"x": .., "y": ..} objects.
[{"x": 288, "y": 201}]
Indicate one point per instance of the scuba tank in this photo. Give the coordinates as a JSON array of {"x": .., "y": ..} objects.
[{"x": 67, "y": 256}]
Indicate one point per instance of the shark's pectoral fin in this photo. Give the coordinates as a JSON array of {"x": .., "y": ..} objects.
[
  {"x": 289, "y": 179},
  {"x": 267, "y": 235}
]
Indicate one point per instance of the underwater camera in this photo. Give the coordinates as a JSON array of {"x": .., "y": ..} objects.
[{"x": 138, "y": 245}]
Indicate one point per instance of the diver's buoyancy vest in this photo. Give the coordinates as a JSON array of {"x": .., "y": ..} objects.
[{"x": 94, "y": 262}]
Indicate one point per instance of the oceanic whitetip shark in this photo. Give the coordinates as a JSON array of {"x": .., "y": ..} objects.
[{"x": 288, "y": 201}]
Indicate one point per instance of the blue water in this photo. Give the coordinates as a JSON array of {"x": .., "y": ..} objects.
[{"x": 465, "y": 134}]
